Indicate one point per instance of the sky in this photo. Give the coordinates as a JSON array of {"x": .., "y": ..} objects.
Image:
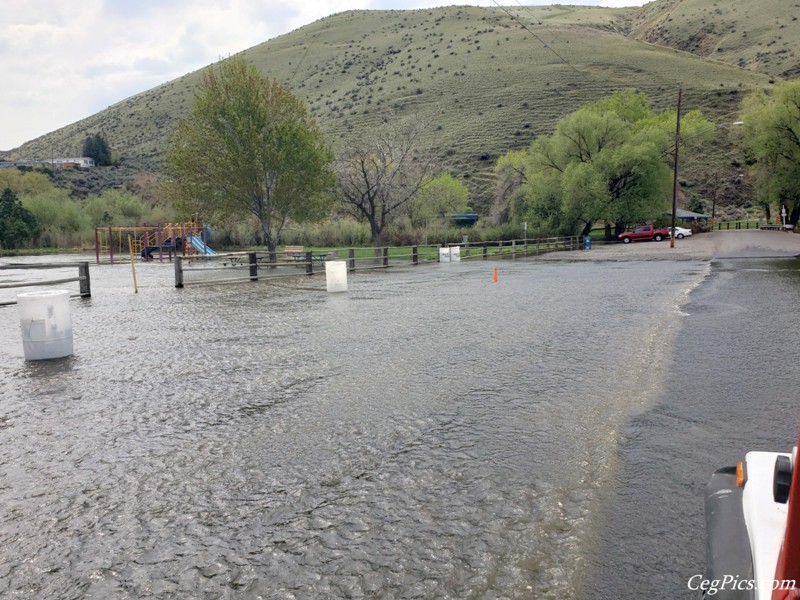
[{"x": 63, "y": 61}]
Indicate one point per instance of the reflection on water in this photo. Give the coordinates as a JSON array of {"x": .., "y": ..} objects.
[{"x": 428, "y": 434}]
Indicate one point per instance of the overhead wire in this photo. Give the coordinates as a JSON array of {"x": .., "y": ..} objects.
[{"x": 539, "y": 39}]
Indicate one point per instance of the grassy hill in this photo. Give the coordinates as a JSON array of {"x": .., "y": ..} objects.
[
  {"x": 490, "y": 79},
  {"x": 760, "y": 36}
]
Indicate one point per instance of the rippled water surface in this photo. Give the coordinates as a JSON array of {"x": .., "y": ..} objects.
[{"x": 428, "y": 434}]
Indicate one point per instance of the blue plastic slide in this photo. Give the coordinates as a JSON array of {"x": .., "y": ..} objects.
[{"x": 202, "y": 248}]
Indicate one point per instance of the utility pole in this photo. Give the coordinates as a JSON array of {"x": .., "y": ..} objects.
[{"x": 675, "y": 170}]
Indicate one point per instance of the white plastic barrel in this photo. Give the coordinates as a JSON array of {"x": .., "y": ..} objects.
[
  {"x": 336, "y": 275},
  {"x": 455, "y": 254},
  {"x": 46, "y": 324},
  {"x": 444, "y": 255}
]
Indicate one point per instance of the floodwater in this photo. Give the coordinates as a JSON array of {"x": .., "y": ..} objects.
[
  {"x": 732, "y": 388},
  {"x": 427, "y": 434}
]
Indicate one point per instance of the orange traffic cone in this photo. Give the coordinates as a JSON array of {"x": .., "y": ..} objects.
[{"x": 494, "y": 275}]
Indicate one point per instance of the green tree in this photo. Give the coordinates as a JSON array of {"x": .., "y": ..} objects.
[
  {"x": 438, "y": 197},
  {"x": 25, "y": 182},
  {"x": 249, "y": 147},
  {"x": 96, "y": 146},
  {"x": 60, "y": 218},
  {"x": 509, "y": 176},
  {"x": 117, "y": 207},
  {"x": 17, "y": 224},
  {"x": 772, "y": 138},
  {"x": 609, "y": 161}
]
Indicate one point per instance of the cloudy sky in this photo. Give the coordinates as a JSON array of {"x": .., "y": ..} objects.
[{"x": 62, "y": 61}]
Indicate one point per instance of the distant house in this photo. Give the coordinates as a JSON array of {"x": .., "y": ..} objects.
[{"x": 83, "y": 162}]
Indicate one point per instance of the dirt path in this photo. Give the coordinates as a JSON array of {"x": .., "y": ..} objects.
[{"x": 703, "y": 246}]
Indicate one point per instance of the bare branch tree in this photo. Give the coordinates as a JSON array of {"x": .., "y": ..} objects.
[{"x": 380, "y": 175}]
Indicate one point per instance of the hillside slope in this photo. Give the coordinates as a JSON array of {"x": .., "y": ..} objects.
[
  {"x": 489, "y": 79},
  {"x": 760, "y": 36}
]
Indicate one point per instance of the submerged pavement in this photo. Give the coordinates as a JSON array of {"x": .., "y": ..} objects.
[{"x": 747, "y": 243}]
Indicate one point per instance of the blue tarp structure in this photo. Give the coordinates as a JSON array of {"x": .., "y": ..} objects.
[{"x": 463, "y": 219}]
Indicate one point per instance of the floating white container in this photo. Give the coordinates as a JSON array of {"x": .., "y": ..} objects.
[
  {"x": 46, "y": 324},
  {"x": 336, "y": 275},
  {"x": 444, "y": 255},
  {"x": 455, "y": 254}
]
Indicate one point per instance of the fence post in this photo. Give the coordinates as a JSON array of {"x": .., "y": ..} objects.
[
  {"x": 351, "y": 259},
  {"x": 251, "y": 258},
  {"x": 110, "y": 245},
  {"x": 513, "y": 249},
  {"x": 85, "y": 285},
  {"x": 485, "y": 251},
  {"x": 178, "y": 271},
  {"x": 414, "y": 255},
  {"x": 386, "y": 256},
  {"x": 309, "y": 266}
]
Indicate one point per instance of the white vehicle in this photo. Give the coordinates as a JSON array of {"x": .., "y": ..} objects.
[
  {"x": 753, "y": 528},
  {"x": 680, "y": 232}
]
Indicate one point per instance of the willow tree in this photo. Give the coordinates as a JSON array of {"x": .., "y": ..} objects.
[
  {"x": 249, "y": 147},
  {"x": 609, "y": 161},
  {"x": 772, "y": 137}
]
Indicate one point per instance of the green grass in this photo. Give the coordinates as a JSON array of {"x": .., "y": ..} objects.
[
  {"x": 744, "y": 224},
  {"x": 429, "y": 253}
]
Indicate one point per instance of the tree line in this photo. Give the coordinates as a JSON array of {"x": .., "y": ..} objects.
[
  {"x": 250, "y": 146},
  {"x": 34, "y": 212},
  {"x": 250, "y": 152}
]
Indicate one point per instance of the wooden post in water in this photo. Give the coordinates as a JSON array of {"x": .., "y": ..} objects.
[
  {"x": 85, "y": 284},
  {"x": 351, "y": 259},
  {"x": 309, "y": 266},
  {"x": 251, "y": 258},
  {"x": 178, "y": 271},
  {"x": 414, "y": 255}
]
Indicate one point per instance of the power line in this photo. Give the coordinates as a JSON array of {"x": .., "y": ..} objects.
[{"x": 544, "y": 44}]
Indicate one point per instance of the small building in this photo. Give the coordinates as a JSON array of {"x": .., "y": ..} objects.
[
  {"x": 82, "y": 162},
  {"x": 688, "y": 217}
]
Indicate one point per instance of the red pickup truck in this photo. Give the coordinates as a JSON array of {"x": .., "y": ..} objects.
[{"x": 645, "y": 232}]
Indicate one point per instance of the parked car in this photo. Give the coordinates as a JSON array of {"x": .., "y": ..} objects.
[
  {"x": 644, "y": 232},
  {"x": 680, "y": 232}
]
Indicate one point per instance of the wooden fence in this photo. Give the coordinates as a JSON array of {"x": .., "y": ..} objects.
[
  {"x": 728, "y": 225},
  {"x": 84, "y": 283},
  {"x": 253, "y": 265}
]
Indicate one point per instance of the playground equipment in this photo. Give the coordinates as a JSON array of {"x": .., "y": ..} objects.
[{"x": 153, "y": 241}]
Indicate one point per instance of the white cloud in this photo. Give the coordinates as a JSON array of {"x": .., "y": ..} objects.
[{"x": 63, "y": 61}]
